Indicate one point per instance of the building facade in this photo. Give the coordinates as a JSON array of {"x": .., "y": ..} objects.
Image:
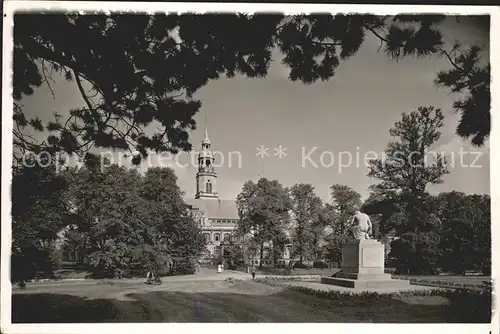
[{"x": 218, "y": 218}]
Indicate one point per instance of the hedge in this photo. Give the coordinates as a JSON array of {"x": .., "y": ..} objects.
[{"x": 466, "y": 305}]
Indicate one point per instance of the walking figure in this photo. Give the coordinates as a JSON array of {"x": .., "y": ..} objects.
[{"x": 253, "y": 270}]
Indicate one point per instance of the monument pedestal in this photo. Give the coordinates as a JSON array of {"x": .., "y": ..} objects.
[{"x": 363, "y": 267}]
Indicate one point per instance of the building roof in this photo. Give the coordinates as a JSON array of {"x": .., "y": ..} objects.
[{"x": 215, "y": 208}]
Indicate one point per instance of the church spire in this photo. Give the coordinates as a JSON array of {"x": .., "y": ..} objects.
[
  {"x": 206, "y": 140},
  {"x": 206, "y": 178}
]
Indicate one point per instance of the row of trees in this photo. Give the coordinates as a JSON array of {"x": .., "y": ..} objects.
[
  {"x": 449, "y": 231},
  {"x": 459, "y": 240},
  {"x": 274, "y": 217},
  {"x": 119, "y": 221},
  {"x": 123, "y": 221}
]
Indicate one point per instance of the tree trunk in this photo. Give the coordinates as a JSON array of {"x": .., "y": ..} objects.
[
  {"x": 261, "y": 255},
  {"x": 274, "y": 254}
]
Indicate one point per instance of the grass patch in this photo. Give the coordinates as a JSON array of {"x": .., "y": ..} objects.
[
  {"x": 47, "y": 307},
  {"x": 249, "y": 301},
  {"x": 462, "y": 305}
]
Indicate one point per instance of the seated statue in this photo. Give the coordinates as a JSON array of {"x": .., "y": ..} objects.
[{"x": 361, "y": 226}]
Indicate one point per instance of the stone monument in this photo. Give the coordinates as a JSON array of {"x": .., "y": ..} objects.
[{"x": 363, "y": 260}]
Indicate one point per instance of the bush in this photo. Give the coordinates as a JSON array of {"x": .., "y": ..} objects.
[
  {"x": 183, "y": 268},
  {"x": 299, "y": 265},
  {"x": 389, "y": 270},
  {"x": 416, "y": 254},
  {"x": 33, "y": 263},
  {"x": 320, "y": 265}
]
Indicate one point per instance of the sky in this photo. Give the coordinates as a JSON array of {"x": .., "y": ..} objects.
[{"x": 352, "y": 112}]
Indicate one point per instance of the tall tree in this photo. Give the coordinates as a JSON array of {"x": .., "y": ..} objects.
[
  {"x": 248, "y": 224},
  {"x": 131, "y": 69},
  {"x": 457, "y": 246},
  {"x": 115, "y": 218},
  {"x": 482, "y": 229},
  {"x": 405, "y": 173},
  {"x": 407, "y": 169},
  {"x": 39, "y": 213},
  {"x": 345, "y": 201},
  {"x": 131, "y": 223},
  {"x": 306, "y": 206},
  {"x": 386, "y": 208},
  {"x": 177, "y": 230},
  {"x": 264, "y": 211},
  {"x": 466, "y": 236}
]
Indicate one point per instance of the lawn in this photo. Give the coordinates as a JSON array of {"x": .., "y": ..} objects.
[{"x": 210, "y": 301}]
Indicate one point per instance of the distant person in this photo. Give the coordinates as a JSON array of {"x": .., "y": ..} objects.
[
  {"x": 253, "y": 270},
  {"x": 149, "y": 276},
  {"x": 219, "y": 268}
]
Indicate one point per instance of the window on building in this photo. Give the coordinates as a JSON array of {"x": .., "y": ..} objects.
[
  {"x": 69, "y": 256},
  {"x": 227, "y": 237},
  {"x": 207, "y": 237},
  {"x": 217, "y": 237},
  {"x": 209, "y": 187}
]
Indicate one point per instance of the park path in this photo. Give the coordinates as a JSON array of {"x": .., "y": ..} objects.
[{"x": 118, "y": 288}]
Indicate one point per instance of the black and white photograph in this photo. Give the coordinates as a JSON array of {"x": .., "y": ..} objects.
[{"x": 282, "y": 163}]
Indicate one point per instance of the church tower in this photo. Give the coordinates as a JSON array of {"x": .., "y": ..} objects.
[{"x": 206, "y": 178}]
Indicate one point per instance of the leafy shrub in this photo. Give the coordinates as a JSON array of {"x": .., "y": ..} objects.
[
  {"x": 33, "y": 263},
  {"x": 416, "y": 254},
  {"x": 320, "y": 265},
  {"x": 443, "y": 283},
  {"x": 108, "y": 263},
  {"x": 390, "y": 270},
  {"x": 272, "y": 279},
  {"x": 183, "y": 268}
]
